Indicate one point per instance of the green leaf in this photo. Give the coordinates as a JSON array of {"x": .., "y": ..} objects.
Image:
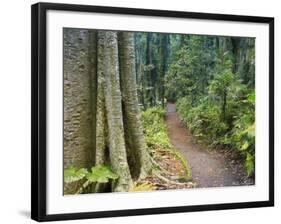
[
  {"x": 101, "y": 174},
  {"x": 249, "y": 164},
  {"x": 245, "y": 145},
  {"x": 109, "y": 173},
  {"x": 94, "y": 177},
  {"x": 251, "y": 130},
  {"x": 72, "y": 174},
  {"x": 251, "y": 98}
]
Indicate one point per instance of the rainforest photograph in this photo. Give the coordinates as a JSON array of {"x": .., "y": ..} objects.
[{"x": 148, "y": 111}]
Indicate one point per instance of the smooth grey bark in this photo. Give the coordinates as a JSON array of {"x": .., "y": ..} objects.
[{"x": 140, "y": 164}]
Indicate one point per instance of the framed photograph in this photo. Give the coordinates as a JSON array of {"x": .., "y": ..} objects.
[{"x": 140, "y": 111}]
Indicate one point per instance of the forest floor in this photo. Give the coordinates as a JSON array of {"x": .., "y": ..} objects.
[{"x": 209, "y": 167}]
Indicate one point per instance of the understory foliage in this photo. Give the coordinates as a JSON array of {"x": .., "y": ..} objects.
[
  {"x": 154, "y": 128},
  {"x": 217, "y": 99},
  {"x": 156, "y": 136},
  {"x": 99, "y": 174}
]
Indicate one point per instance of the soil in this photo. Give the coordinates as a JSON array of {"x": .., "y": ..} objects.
[{"x": 209, "y": 168}]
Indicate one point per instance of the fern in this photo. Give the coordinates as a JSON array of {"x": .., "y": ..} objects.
[
  {"x": 101, "y": 174},
  {"x": 98, "y": 174},
  {"x": 73, "y": 174}
]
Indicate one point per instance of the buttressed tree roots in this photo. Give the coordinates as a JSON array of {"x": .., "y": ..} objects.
[{"x": 108, "y": 112}]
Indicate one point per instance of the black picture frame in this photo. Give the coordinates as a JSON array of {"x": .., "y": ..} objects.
[{"x": 39, "y": 122}]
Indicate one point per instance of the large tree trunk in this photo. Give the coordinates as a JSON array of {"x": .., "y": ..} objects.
[
  {"x": 78, "y": 113},
  {"x": 101, "y": 125},
  {"x": 116, "y": 138},
  {"x": 101, "y": 115},
  {"x": 139, "y": 159},
  {"x": 79, "y": 73}
]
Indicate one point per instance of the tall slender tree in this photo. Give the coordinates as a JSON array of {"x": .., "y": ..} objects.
[
  {"x": 163, "y": 65},
  {"x": 148, "y": 70}
]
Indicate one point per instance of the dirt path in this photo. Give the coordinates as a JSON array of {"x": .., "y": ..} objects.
[{"x": 208, "y": 168}]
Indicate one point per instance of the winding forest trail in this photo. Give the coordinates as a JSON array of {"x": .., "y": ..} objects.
[{"x": 208, "y": 168}]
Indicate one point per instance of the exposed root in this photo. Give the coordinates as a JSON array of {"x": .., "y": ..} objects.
[
  {"x": 166, "y": 180},
  {"x": 83, "y": 187},
  {"x": 159, "y": 167}
]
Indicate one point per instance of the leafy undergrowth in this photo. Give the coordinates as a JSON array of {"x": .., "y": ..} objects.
[
  {"x": 98, "y": 174},
  {"x": 234, "y": 131},
  {"x": 170, "y": 170},
  {"x": 175, "y": 172}
]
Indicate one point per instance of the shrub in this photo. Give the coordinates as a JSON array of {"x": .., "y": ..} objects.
[
  {"x": 235, "y": 131},
  {"x": 203, "y": 120},
  {"x": 156, "y": 134}
]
